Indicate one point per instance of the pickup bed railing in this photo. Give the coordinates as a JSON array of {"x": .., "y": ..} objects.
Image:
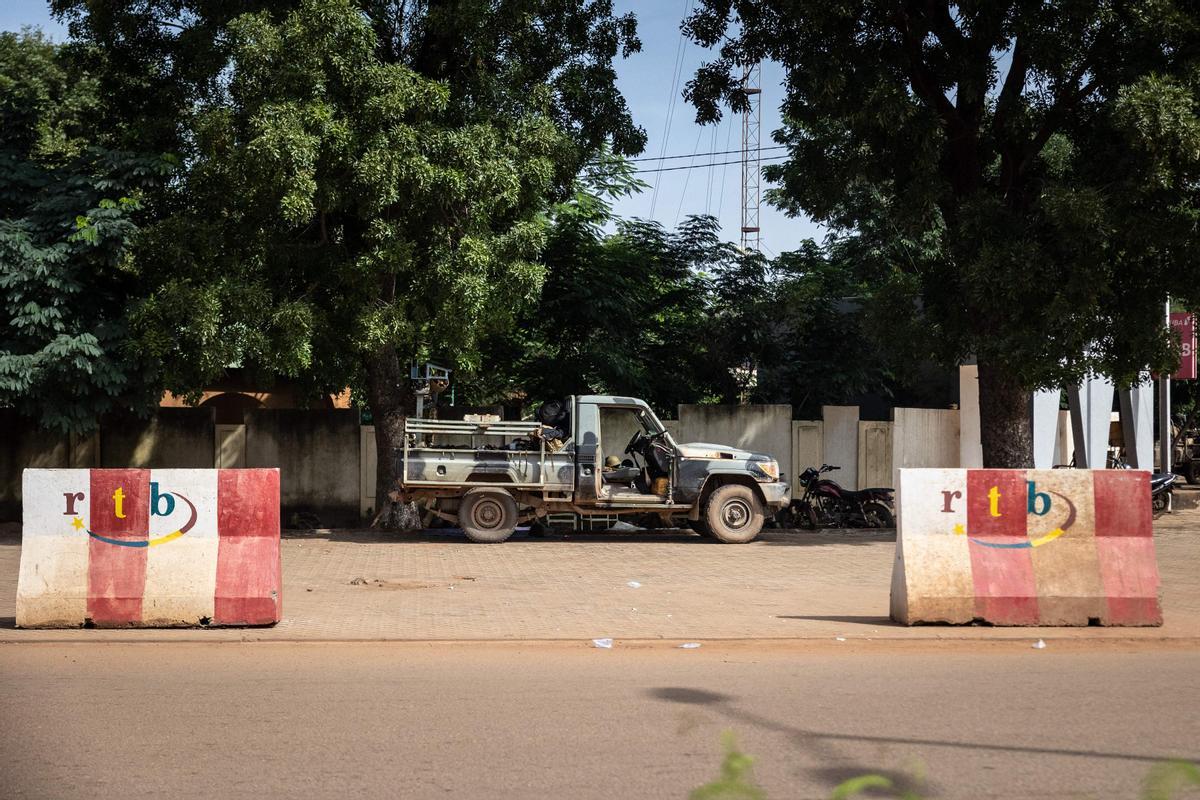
[{"x": 414, "y": 429}]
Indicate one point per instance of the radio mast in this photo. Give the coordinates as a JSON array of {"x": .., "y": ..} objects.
[{"x": 751, "y": 157}]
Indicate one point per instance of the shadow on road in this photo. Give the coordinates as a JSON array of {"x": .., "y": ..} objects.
[
  {"x": 852, "y": 619},
  {"x": 819, "y": 741}
]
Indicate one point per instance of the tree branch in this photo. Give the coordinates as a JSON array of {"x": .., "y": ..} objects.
[
  {"x": 921, "y": 77},
  {"x": 1054, "y": 117},
  {"x": 1014, "y": 82}
]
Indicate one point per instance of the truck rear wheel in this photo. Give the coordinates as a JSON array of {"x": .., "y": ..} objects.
[
  {"x": 487, "y": 515},
  {"x": 734, "y": 514}
]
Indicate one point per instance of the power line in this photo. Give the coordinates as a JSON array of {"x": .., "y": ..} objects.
[
  {"x": 680, "y": 49},
  {"x": 694, "y": 166},
  {"x": 683, "y": 194},
  {"x": 728, "y": 139},
  {"x": 713, "y": 153},
  {"x": 711, "y": 172}
]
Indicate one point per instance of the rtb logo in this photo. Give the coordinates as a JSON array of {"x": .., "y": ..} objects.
[
  {"x": 1038, "y": 504},
  {"x": 162, "y": 504}
]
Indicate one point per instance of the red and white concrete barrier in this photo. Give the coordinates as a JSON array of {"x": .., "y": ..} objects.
[
  {"x": 149, "y": 548},
  {"x": 1025, "y": 547}
]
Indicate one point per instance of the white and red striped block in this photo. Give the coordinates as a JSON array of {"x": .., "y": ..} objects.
[
  {"x": 149, "y": 548},
  {"x": 1025, "y": 547}
]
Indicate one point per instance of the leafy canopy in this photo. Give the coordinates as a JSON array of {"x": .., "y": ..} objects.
[
  {"x": 69, "y": 210},
  {"x": 1026, "y": 171}
]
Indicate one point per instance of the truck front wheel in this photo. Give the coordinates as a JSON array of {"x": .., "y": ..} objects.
[
  {"x": 487, "y": 515},
  {"x": 734, "y": 514}
]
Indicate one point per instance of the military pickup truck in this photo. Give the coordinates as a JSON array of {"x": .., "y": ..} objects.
[{"x": 588, "y": 454}]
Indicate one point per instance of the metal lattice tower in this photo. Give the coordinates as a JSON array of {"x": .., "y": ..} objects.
[{"x": 751, "y": 158}]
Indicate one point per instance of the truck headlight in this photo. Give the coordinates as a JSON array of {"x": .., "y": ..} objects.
[{"x": 765, "y": 471}]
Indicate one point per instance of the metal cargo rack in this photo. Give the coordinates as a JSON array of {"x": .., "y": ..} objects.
[{"x": 433, "y": 427}]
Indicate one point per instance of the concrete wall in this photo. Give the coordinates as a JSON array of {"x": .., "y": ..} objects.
[
  {"x": 874, "y": 453},
  {"x": 925, "y": 437},
  {"x": 317, "y": 453},
  {"x": 327, "y": 460},
  {"x": 761, "y": 428},
  {"x": 179, "y": 438},
  {"x": 841, "y": 443},
  {"x": 808, "y": 447},
  {"x": 21, "y": 446}
]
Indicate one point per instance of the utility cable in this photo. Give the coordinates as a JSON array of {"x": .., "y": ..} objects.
[
  {"x": 688, "y": 179},
  {"x": 693, "y": 166},
  {"x": 713, "y": 153},
  {"x": 680, "y": 49}
]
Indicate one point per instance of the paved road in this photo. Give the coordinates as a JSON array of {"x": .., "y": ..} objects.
[{"x": 557, "y": 720}]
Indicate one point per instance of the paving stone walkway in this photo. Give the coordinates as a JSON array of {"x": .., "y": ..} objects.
[{"x": 359, "y": 585}]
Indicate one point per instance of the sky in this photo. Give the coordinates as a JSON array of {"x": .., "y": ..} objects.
[{"x": 646, "y": 79}]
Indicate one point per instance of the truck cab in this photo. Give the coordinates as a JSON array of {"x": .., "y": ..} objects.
[{"x": 590, "y": 454}]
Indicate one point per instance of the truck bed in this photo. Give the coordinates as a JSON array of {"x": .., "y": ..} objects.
[{"x": 428, "y": 462}]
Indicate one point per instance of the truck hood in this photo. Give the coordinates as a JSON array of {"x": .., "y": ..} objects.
[{"x": 709, "y": 450}]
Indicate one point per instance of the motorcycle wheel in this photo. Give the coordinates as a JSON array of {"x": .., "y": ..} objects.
[
  {"x": 809, "y": 518},
  {"x": 878, "y": 515},
  {"x": 1159, "y": 502}
]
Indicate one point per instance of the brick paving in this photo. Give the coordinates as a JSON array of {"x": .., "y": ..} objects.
[{"x": 437, "y": 586}]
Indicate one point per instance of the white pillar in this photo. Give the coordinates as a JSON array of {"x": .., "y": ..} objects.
[
  {"x": 1091, "y": 416},
  {"x": 970, "y": 442},
  {"x": 1045, "y": 427},
  {"x": 1137, "y": 424}
]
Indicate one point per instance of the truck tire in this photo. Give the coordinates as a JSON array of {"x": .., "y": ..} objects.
[
  {"x": 700, "y": 527},
  {"x": 487, "y": 515},
  {"x": 734, "y": 514}
]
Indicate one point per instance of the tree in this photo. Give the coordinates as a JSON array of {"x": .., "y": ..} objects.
[
  {"x": 1028, "y": 170},
  {"x": 622, "y": 312},
  {"x": 820, "y": 352},
  {"x": 367, "y": 182},
  {"x": 69, "y": 209}
]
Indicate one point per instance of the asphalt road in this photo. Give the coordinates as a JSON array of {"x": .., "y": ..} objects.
[{"x": 438, "y": 720}]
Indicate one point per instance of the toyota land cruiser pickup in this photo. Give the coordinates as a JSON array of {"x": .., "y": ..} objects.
[{"x": 589, "y": 454}]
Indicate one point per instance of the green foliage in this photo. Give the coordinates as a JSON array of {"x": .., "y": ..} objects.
[
  {"x": 69, "y": 211},
  {"x": 735, "y": 780},
  {"x": 821, "y": 352},
  {"x": 1027, "y": 172},
  {"x": 367, "y": 181},
  {"x": 1164, "y": 781},
  {"x": 630, "y": 308}
]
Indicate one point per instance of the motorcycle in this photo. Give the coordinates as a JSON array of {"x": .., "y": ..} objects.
[
  {"x": 825, "y": 504},
  {"x": 1161, "y": 486}
]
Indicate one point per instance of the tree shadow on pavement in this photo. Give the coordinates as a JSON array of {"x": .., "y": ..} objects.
[
  {"x": 821, "y": 743},
  {"x": 802, "y": 538}
]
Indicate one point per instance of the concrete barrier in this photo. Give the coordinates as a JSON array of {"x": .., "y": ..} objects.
[
  {"x": 1017, "y": 547},
  {"x": 149, "y": 548}
]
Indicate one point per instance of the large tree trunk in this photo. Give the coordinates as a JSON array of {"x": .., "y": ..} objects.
[
  {"x": 388, "y": 397},
  {"x": 1005, "y": 418}
]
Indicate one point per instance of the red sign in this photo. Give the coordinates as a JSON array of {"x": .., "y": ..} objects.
[{"x": 1185, "y": 324}]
